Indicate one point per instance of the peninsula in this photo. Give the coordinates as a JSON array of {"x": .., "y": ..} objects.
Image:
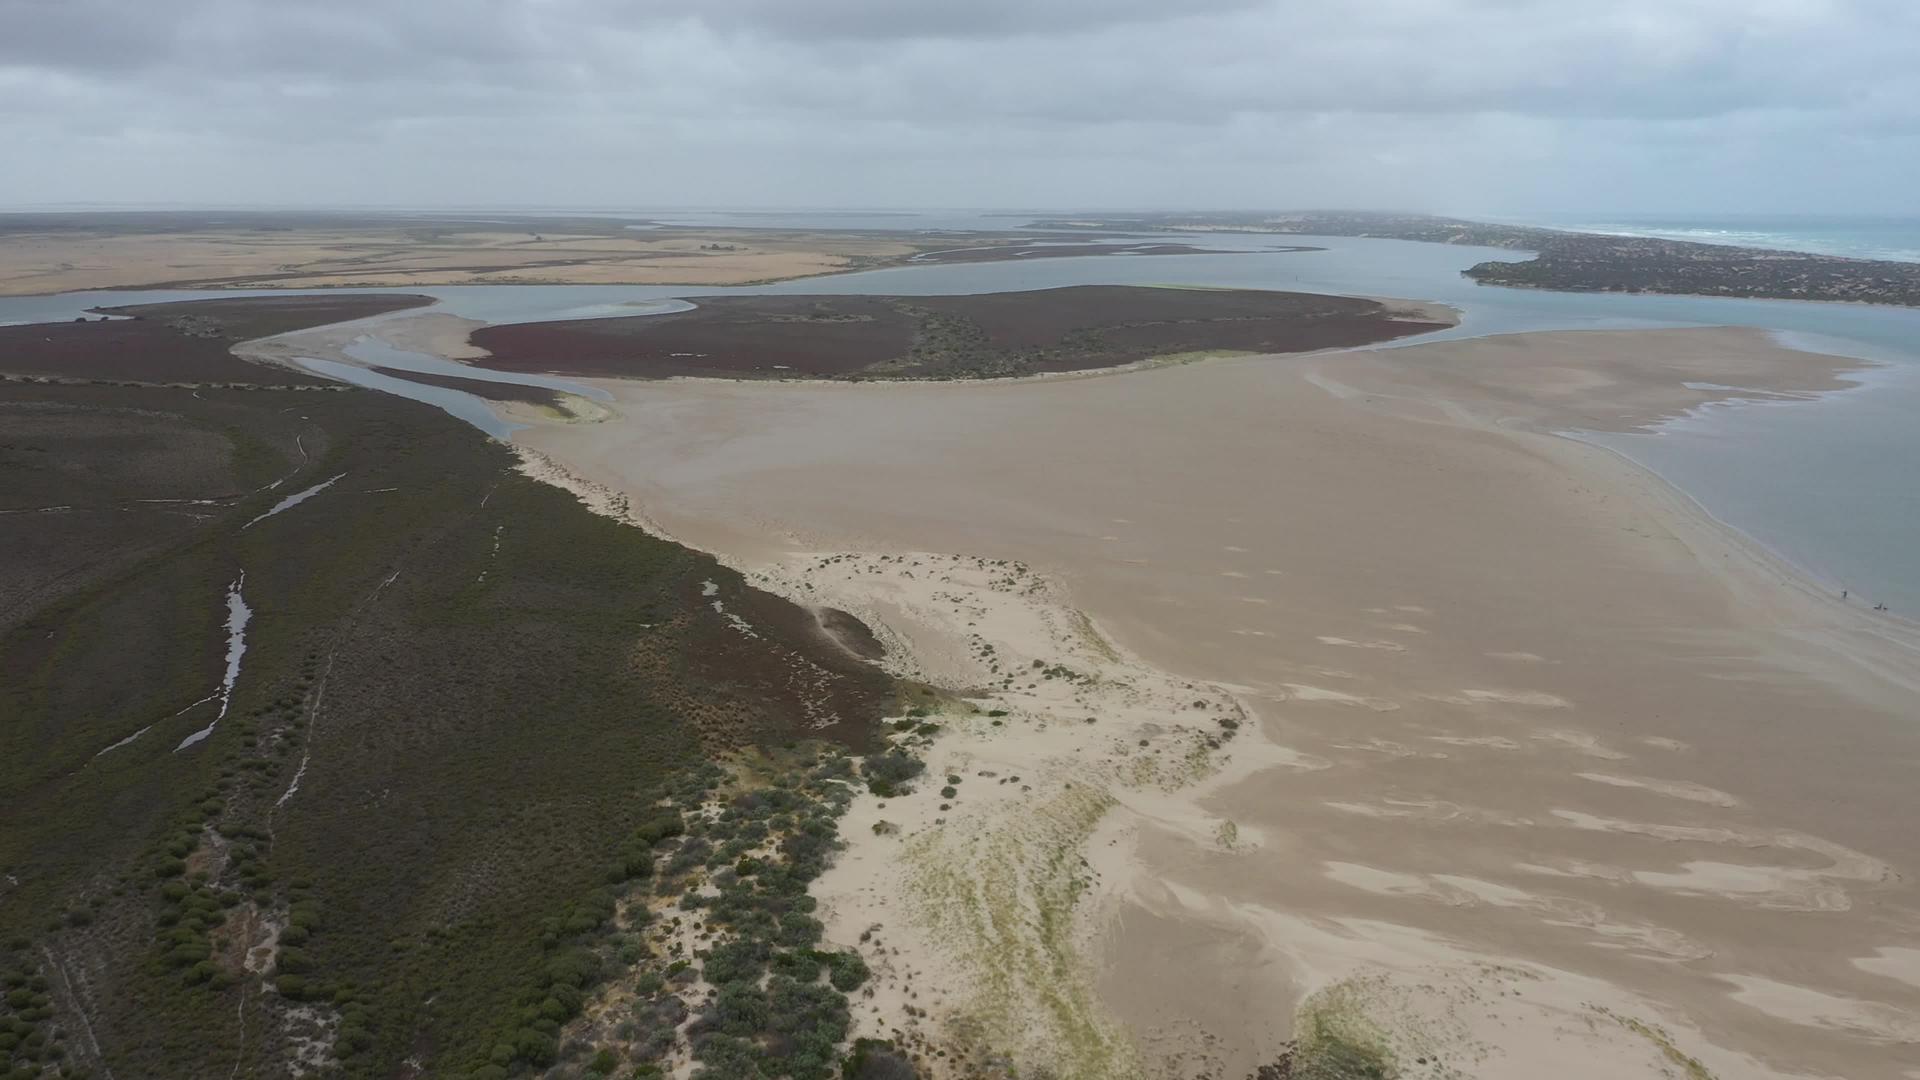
[{"x": 1577, "y": 261}]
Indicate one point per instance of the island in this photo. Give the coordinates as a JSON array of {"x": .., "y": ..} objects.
[{"x": 990, "y": 335}]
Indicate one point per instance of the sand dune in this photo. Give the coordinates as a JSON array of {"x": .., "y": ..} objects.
[{"x": 1541, "y": 771}]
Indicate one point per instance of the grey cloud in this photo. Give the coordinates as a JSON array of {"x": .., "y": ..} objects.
[
  {"x": 897, "y": 102},
  {"x": 889, "y": 19}
]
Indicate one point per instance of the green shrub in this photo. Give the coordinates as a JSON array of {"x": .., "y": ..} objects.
[
  {"x": 534, "y": 1047},
  {"x": 846, "y": 970},
  {"x": 736, "y": 961},
  {"x": 893, "y": 768},
  {"x": 799, "y": 931},
  {"x": 801, "y": 965},
  {"x": 873, "y": 1059},
  {"x": 576, "y": 968},
  {"x": 661, "y": 827}
]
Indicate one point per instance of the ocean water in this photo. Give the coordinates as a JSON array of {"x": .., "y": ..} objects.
[
  {"x": 1828, "y": 484},
  {"x": 1862, "y": 237}
]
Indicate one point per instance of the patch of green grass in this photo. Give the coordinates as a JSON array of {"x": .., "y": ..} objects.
[
  {"x": 1009, "y": 900},
  {"x": 1689, "y": 1065},
  {"x": 1094, "y": 639},
  {"x": 1335, "y": 1040}
]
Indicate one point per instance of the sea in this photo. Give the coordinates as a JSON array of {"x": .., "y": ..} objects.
[
  {"x": 1829, "y": 484},
  {"x": 1857, "y": 237}
]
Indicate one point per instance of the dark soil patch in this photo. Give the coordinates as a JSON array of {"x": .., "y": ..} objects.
[
  {"x": 939, "y": 337},
  {"x": 182, "y": 343},
  {"x": 850, "y": 633}
]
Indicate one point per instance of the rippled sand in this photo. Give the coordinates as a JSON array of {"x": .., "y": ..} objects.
[{"x": 1543, "y": 772}]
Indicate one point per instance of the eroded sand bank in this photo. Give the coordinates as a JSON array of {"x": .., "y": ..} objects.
[{"x": 1537, "y": 768}]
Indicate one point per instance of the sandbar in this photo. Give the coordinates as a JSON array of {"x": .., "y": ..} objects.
[{"x": 1334, "y": 689}]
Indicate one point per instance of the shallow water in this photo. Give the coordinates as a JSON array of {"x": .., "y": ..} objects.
[
  {"x": 1828, "y": 484},
  {"x": 238, "y": 615},
  {"x": 294, "y": 500},
  {"x": 372, "y": 350},
  {"x": 457, "y": 403}
]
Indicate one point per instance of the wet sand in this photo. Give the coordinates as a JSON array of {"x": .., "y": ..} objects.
[{"x": 1384, "y": 704}]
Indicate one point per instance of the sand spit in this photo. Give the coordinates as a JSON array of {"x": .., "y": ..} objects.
[
  {"x": 1624, "y": 798},
  {"x": 976, "y": 900},
  {"x": 435, "y": 333},
  {"x": 972, "y": 907}
]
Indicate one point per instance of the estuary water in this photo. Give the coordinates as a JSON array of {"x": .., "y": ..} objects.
[{"x": 1828, "y": 484}]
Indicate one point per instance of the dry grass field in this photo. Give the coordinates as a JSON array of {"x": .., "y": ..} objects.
[{"x": 49, "y": 253}]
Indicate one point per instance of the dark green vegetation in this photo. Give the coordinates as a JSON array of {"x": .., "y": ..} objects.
[
  {"x": 1636, "y": 264},
  {"x": 1586, "y": 262},
  {"x": 732, "y": 882},
  {"x": 991, "y": 335},
  {"x": 467, "y": 710}
]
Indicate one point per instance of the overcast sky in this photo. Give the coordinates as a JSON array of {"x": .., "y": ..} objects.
[{"x": 1466, "y": 106}]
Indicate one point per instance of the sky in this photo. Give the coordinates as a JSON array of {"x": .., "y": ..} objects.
[{"x": 1501, "y": 107}]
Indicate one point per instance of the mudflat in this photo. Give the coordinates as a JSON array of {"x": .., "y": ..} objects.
[{"x": 1382, "y": 717}]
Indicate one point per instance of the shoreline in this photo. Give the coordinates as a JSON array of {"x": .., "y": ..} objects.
[
  {"x": 1823, "y": 301},
  {"x": 1809, "y": 579},
  {"x": 1732, "y": 418}
]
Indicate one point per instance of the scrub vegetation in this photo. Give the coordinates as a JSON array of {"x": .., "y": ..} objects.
[
  {"x": 981, "y": 336},
  {"x": 478, "y": 735}
]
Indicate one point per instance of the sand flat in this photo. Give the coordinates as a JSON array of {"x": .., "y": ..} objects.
[{"x": 1538, "y": 613}]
